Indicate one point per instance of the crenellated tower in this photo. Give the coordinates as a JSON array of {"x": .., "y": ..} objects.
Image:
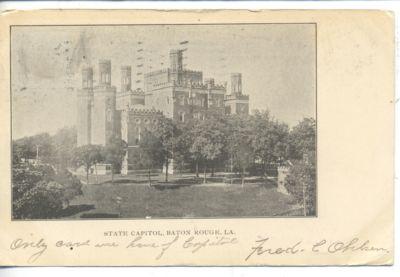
[
  {"x": 176, "y": 65},
  {"x": 126, "y": 78},
  {"x": 104, "y": 106},
  {"x": 236, "y": 102},
  {"x": 84, "y": 112},
  {"x": 236, "y": 84}
]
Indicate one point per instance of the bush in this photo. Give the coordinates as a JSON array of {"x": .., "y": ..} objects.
[
  {"x": 42, "y": 201},
  {"x": 38, "y": 192},
  {"x": 25, "y": 178}
]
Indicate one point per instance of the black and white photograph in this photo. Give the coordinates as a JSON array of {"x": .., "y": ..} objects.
[{"x": 163, "y": 121}]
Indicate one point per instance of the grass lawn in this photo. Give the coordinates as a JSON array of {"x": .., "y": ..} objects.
[{"x": 178, "y": 199}]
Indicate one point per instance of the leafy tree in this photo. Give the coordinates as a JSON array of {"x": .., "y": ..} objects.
[
  {"x": 301, "y": 183},
  {"x": 87, "y": 156},
  {"x": 269, "y": 138},
  {"x": 20, "y": 151},
  {"x": 243, "y": 157},
  {"x": 209, "y": 141},
  {"x": 150, "y": 152},
  {"x": 302, "y": 139},
  {"x": 167, "y": 132},
  {"x": 63, "y": 142},
  {"x": 193, "y": 150},
  {"x": 114, "y": 153},
  {"x": 37, "y": 146},
  {"x": 183, "y": 142},
  {"x": 48, "y": 149},
  {"x": 301, "y": 180},
  {"x": 239, "y": 144}
]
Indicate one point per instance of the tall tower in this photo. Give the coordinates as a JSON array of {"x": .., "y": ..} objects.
[
  {"x": 104, "y": 72},
  {"x": 236, "y": 84},
  {"x": 126, "y": 78},
  {"x": 176, "y": 65},
  {"x": 104, "y": 106},
  {"x": 236, "y": 102},
  {"x": 84, "y": 101}
]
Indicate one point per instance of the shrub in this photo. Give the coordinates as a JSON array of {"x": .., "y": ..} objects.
[
  {"x": 38, "y": 192},
  {"x": 25, "y": 178},
  {"x": 42, "y": 201}
]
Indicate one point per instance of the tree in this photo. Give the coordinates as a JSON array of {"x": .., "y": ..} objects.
[
  {"x": 239, "y": 144},
  {"x": 269, "y": 139},
  {"x": 87, "y": 156},
  {"x": 301, "y": 180},
  {"x": 209, "y": 141},
  {"x": 194, "y": 150},
  {"x": 150, "y": 152},
  {"x": 243, "y": 156},
  {"x": 167, "y": 132},
  {"x": 114, "y": 153},
  {"x": 302, "y": 139},
  {"x": 19, "y": 151},
  {"x": 34, "y": 147},
  {"x": 183, "y": 142},
  {"x": 63, "y": 141},
  {"x": 301, "y": 183}
]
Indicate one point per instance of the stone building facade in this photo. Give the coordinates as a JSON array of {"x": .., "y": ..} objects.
[{"x": 173, "y": 92}]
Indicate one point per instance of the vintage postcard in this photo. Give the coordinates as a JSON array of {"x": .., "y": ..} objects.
[{"x": 196, "y": 138}]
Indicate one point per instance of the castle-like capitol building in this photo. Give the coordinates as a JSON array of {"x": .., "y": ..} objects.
[{"x": 173, "y": 92}]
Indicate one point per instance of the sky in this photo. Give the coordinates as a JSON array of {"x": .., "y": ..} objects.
[{"x": 277, "y": 62}]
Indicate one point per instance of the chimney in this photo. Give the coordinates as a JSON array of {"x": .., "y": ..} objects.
[
  {"x": 87, "y": 78},
  {"x": 126, "y": 78},
  {"x": 236, "y": 84},
  {"x": 105, "y": 72}
]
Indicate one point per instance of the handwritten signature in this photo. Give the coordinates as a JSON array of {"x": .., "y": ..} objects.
[{"x": 261, "y": 248}]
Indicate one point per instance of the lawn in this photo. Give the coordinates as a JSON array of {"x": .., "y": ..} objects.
[{"x": 183, "y": 197}]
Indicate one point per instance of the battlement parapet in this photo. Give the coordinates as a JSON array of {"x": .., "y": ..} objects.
[
  {"x": 138, "y": 91},
  {"x": 192, "y": 71},
  {"x": 204, "y": 86},
  {"x": 237, "y": 97},
  {"x": 136, "y": 110},
  {"x": 156, "y": 72},
  {"x": 163, "y": 84},
  {"x": 104, "y": 88}
]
